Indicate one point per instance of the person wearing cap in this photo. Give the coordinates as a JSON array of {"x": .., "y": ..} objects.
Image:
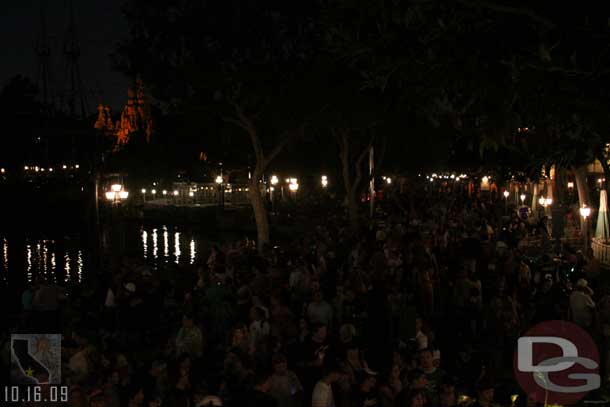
[
  {"x": 582, "y": 305},
  {"x": 365, "y": 394}
]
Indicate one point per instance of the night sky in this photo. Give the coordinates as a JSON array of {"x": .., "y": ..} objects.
[{"x": 100, "y": 25}]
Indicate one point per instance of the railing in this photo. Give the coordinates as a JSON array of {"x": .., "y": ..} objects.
[
  {"x": 188, "y": 194},
  {"x": 601, "y": 251}
]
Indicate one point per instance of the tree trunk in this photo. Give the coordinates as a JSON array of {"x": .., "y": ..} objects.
[
  {"x": 580, "y": 176},
  {"x": 353, "y": 211},
  {"x": 260, "y": 214}
]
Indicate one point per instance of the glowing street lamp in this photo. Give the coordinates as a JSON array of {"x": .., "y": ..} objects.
[
  {"x": 219, "y": 179},
  {"x": 506, "y": 194},
  {"x": 324, "y": 181},
  {"x": 542, "y": 201},
  {"x": 143, "y": 190},
  {"x": 154, "y": 192},
  {"x": 2, "y": 170},
  {"x": 388, "y": 180},
  {"x": 522, "y": 197},
  {"x": 570, "y": 185},
  {"x": 117, "y": 193},
  {"x": 585, "y": 212},
  {"x": 274, "y": 180},
  {"x": 293, "y": 187},
  {"x": 548, "y": 201},
  {"x": 175, "y": 193},
  {"x": 164, "y": 192},
  {"x": 191, "y": 194}
]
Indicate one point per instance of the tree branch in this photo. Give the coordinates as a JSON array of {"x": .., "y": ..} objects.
[
  {"x": 532, "y": 15},
  {"x": 359, "y": 176},
  {"x": 286, "y": 138}
]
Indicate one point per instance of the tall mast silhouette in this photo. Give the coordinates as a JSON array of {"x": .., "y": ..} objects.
[
  {"x": 43, "y": 53},
  {"x": 75, "y": 94}
]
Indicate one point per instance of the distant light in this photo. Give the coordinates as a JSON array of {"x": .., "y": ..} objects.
[
  {"x": 522, "y": 196},
  {"x": 64, "y": 167},
  {"x": 485, "y": 179},
  {"x": 175, "y": 193},
  {"x": 274, "y": 180},
  {"x": 154, "y": 191},
  {"x": 452, "y": 176},
  {"x": 570, "y": 185},
  {"x": 42, "y": 169},
  {"x": 219, "y": 179},
  {"x": 110, "y": 195},
  {"x": 77, "y": 166},
  {"x": 191, "y": 194},
  {"x": 26, "y": 168},
  {"x": 293, "y": 187},
  {"x": 388, "y": 180},
  {"x": 123, "y": 194},
  {"x": 116, "y": 187},
  {"x": 585, "y": 211},
  {"x": 293, "y": 181},
  {"x": 542, "y": 201},
  {"x": 164, "y": 192},
  {"x": 548, "y": 201},
  {"x": 2, "y": 170},
  {"x": 50, "y": 169},
  {"x": 506, "y": 194},
  {"x": 143, "y": 190},
  {"x": 36, "y": 169}
]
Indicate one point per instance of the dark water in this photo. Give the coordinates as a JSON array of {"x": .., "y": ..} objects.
[{"x": 67, "y": 258}]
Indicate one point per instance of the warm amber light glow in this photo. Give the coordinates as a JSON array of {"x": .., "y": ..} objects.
[{"x": 585, "y": 211}]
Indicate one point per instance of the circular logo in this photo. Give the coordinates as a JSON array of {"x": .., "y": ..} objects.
[{"x": 557, "y": 362}]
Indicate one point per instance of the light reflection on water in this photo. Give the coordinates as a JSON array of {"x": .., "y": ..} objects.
[{"x": 66, "y": 260}]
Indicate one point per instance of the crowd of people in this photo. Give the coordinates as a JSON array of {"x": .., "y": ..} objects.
[{"x": 422, "y": 308}]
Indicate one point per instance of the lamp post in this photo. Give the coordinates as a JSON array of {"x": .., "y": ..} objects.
[
  {"x": 293, "y": 186},
  {"x": 585, "y": 212},
  {"x": 506, "y": 194},
  {"x": 116, "y": 194},
  {"x": 274, "y": 181},
  {"x": 522, "y": 197},
  {"x": 220, "y": 181}
]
